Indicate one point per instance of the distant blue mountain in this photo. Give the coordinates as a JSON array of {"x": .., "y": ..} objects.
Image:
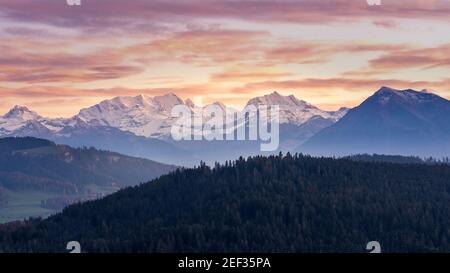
[{"x": 403, "y": 122}]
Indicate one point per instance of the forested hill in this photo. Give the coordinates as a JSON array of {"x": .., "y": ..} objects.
[
  {"x": 274, "y": 204},
  {"x": 38, "y": 164}
]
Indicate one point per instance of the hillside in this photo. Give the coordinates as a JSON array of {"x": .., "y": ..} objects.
[
  {"x": 30, "y": 165},
  {"x": 263, "y": 204}
]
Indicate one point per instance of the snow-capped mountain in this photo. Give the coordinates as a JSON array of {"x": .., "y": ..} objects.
[
  {"x": 295, "y": 111},
  {"x": 141, "y": 126},
  {"x": 403, "y": 122},
  {"x": 391, "y": 121},
  {"x": 151, "y": 116},
  {"x": 142, "y": 115},
  {"x": 17, "y": 117},
  {"x": 21, "y": 121}
]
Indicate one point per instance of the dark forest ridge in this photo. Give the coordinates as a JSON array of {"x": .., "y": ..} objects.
[{"x": 263, "y": 204}]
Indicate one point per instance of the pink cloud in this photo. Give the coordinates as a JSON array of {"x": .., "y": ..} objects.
[{"x": 125, "y": 14}]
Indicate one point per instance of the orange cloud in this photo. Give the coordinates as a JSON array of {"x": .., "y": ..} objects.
[
  {"x": 196, "y": 47},
  {"x": 403, "y": 58},
  {"x": 42, "y": 64},
  {"x": 307, "y": 53},
  {"x": 232, "y": 45},
  {"x": 245, "y": 73},
  {"x": 412, "y": 58},
  {"x": 203, "y": 47}
]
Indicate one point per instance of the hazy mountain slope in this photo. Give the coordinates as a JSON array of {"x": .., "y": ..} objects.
[
  {"x": 127, "y": 143},
  {"x": 3, "y": 198},
  {"x": 34, "y": 172},
  {"x": 78, "y": 167},
  {"x": 291, "y": 136},
  {"x": 391, "y": 121},
  {"x": 275, "y": 204}
]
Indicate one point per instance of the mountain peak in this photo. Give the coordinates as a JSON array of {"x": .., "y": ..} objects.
[
  {"x": 276, "y": 98},
  {"x": 405, "y": 122},
  {"x": 189, "y": 103},
  {"x": 293, "y": 110},
  {"x": 168, "y": 101},
  {"x": 385, "y": 89},
  {"x": 270, "y": 99},
  {"x": 386, "y": 94},
  {"x": 168, "y": 95},
  {"x": 275, "y": 95},
  {"x": 220, "y": 104},
  {"x": 19, "y": 108},
  {"x": 21, "y": 112},
  {"x": 143, "y": 97}
]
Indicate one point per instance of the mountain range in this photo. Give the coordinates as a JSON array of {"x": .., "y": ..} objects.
[
  {"x": 140, "y": 126},
  {"x": 403, "y": 122}
]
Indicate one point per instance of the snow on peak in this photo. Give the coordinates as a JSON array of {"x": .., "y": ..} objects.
[
  {"x": 386, "y": 89},
  {"x": 386, "y": 94},
  {"x": 124, "y": 102},
  {"x": 293, "y": 110},
  {"x": 21, "y": 112},
  {"x": 220, "y": 104},
  {"x": 189, "y": 103},
  {"x": 149, "y": 116},
  {"x": 142, "y": 115},
  {"x": 167, "y": 102},
  {"x": 276, "y": 99},
  {"x": 337, "y": 115},
  {"x": 17, "y": 117}
]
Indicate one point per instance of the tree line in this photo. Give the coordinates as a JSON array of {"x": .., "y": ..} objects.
[{"x": 283, "y": 204}]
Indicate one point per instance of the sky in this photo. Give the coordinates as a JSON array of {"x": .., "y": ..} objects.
[{"x": 56, "y": 58}]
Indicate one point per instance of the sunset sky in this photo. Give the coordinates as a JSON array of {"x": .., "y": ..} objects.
[{"x": 56, "y": 59}]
